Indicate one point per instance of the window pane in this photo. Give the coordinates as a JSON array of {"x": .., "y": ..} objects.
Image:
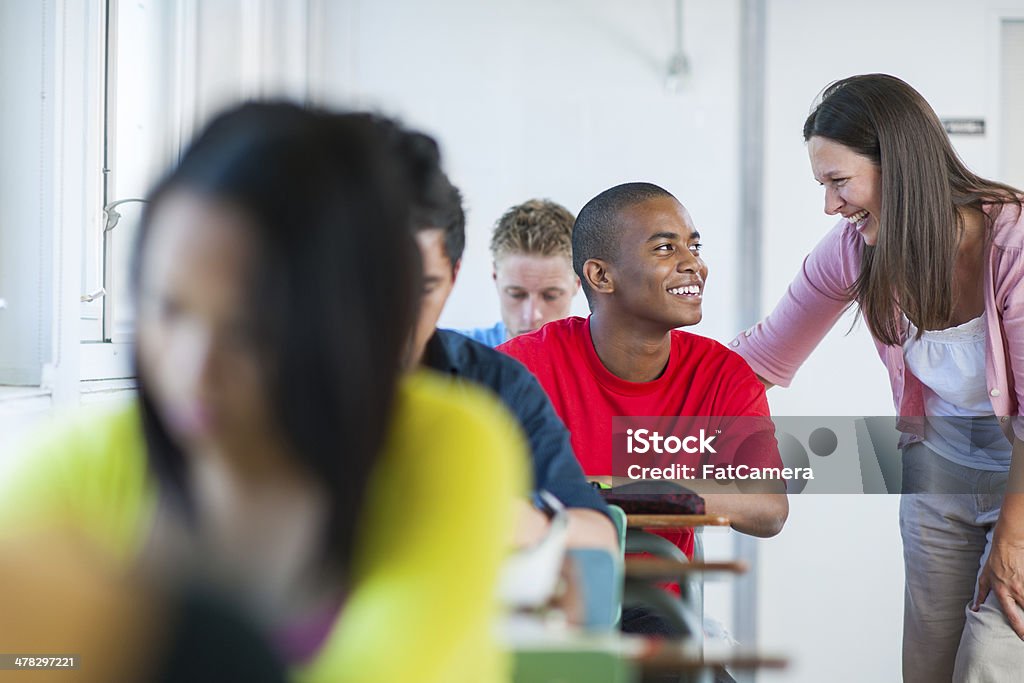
[{"x": 140, "y": 144}]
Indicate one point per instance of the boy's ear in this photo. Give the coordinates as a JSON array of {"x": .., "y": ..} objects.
[
  {"x": 455, "y": 269},
  {"x": 598, "y": 276}
]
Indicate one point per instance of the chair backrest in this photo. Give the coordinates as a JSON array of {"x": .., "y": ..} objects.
[
  {"x": 600, "y": 577},
  {"x": 619, "y": 517},
  {"x": 692, "y": 588}
]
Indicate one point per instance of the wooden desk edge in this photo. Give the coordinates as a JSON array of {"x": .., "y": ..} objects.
[
  {"x": 677, "y": 662},
  {"x": 659, "y": 654},
  {"x": 674, "y": 521},
  {"x": 677, "y": 655},
  {"x": 658, "y": 567}
]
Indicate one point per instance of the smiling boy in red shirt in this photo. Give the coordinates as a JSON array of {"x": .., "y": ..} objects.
[{"x": 637, "y": 253}]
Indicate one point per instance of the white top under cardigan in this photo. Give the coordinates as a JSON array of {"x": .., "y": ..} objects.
[{"x": 961, "y": 424}]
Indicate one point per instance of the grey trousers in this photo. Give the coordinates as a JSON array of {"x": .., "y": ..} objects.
[{"x": 947, "y": 514}]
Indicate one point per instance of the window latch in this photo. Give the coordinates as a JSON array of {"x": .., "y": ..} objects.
[
  {"x": 112, "y": 214},
  {"x": 92, "y": 296}
]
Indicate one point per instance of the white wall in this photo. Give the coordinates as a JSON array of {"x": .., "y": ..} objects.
[
  {"x": 559, "y": 100},
  {"x": 1011, "y": 161}
]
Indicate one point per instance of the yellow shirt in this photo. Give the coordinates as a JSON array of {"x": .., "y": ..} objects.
[{"x": 436, "y": 529}]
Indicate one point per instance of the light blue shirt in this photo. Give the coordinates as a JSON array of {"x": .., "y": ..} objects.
[{"x": 488, "y": 336}]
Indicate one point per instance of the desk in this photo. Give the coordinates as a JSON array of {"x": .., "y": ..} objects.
[
  {"x": 670, "y": 522},
  {"x": 664, "y": 569},
  {"x": 670, "y": 656},
  {"x": 617, "y": 658}
]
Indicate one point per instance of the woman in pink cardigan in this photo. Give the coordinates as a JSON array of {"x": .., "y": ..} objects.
[{"x": 933, "y": 255}]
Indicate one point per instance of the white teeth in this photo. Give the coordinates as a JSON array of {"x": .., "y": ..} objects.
[
  {"x": 686, "y": 290},
  {"x": 858, "y": 217}
]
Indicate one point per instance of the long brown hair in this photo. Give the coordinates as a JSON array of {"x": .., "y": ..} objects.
[{"x": 924, "y": 183}]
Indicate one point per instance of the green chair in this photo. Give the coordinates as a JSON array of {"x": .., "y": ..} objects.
[
  {"x": 619, "y": 517},
  {"x": 601, "y": 579},
  {"x": 687, "y": 612}
]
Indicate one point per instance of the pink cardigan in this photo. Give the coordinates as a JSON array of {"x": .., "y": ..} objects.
[{"x": 777, "y": 346}]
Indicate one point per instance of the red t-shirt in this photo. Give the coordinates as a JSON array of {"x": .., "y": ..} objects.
[{"x": 702, "y": 378}]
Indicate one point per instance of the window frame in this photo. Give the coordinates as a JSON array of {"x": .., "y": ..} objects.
[{"x": 105, "y": 349}]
